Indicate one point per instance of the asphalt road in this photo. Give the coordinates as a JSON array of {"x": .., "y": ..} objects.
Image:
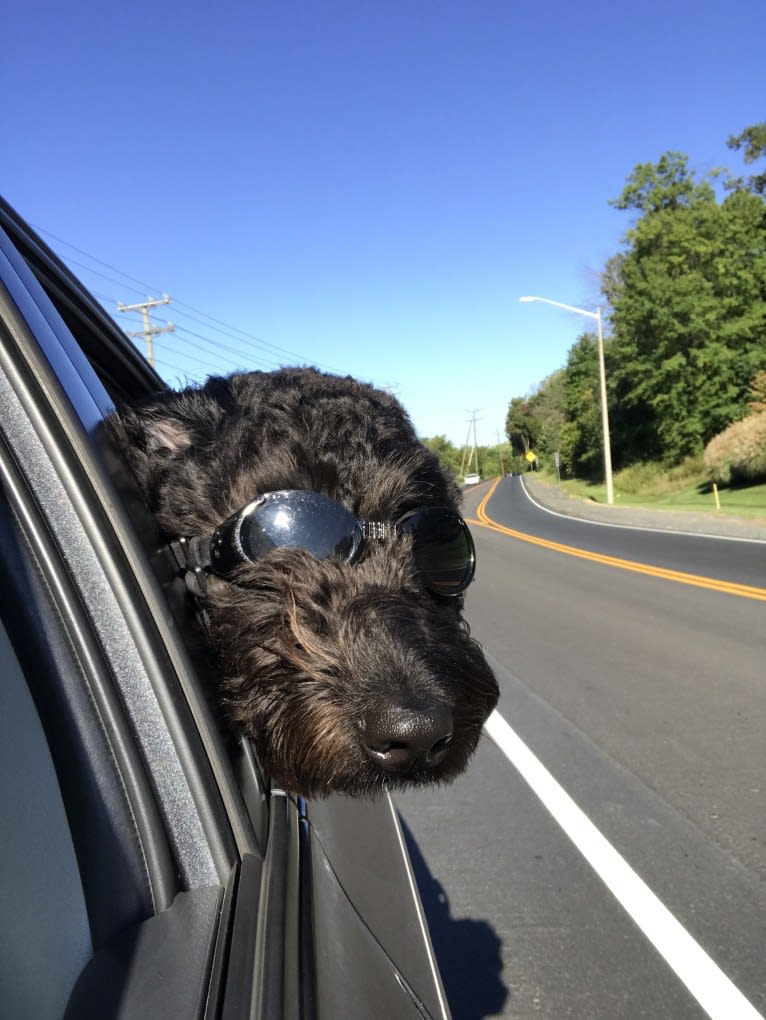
[{"x": 604, "y": 859}]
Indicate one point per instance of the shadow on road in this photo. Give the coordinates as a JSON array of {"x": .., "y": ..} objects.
[{"x": 468, "y": 951}]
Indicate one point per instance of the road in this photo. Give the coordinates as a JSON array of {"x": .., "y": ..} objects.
[{"x": 603, "y": 858}]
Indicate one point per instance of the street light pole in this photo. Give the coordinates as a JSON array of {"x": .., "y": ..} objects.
[
  {"x": 604, "y": 414},
  {"x": 602, "y": 381}
]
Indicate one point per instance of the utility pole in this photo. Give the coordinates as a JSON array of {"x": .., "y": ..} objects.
[
  {"x": 149, "y": 332},
  {"x": 475, "y": 446},
  {"x": 465, "y": 451},
  {"x": 474, "y": 454}
]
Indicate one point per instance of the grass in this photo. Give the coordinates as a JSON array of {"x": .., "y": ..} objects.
[{"x": 685, "y": 487}]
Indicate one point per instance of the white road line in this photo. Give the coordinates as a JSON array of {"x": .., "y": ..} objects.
[
  {"x": 635, "y": 527},
  {"x": 715, "y": 993}
]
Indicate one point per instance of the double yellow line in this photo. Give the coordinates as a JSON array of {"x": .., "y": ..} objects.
[{"x": 744, "y": 591}]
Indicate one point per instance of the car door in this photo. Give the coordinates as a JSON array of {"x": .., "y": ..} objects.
[{"x": 141, "y": 852}]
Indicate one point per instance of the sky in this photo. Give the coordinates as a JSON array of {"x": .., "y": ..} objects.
[{"x": 368, "y": 187}]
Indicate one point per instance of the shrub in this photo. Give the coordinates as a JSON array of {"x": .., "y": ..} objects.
[
  {"x": 738, "y": 454},
  {"x": 653, "y": 478},
  {"x": 639, "y": 478},
  {"x": 688, "y": 470}
]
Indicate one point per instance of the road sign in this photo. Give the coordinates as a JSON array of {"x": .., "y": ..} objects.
[{"x": 530, "y": 456}]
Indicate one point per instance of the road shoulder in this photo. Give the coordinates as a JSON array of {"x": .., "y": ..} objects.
[{"x": 553, "y": 498}]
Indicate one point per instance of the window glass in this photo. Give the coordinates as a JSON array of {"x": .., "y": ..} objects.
[{"x": 44, "y": 933}]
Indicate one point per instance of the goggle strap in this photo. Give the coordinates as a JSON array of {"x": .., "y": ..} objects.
[
  {"x": 192, "y": 556},
  {"x": 376, "y": 529}
]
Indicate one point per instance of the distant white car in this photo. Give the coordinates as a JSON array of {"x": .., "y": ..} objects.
[{"x": 472, "y": 479}]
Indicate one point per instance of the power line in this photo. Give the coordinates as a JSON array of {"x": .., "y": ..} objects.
[
  {"x": 263, "y": 350},
  {"x": 243, "y": 337},
  {"x": 258, "y": 345},
  {"x": 209, "y": 366},
  {"x": 144, "y": 286},
  {"x": 181, "y": 330},
  {"x": 218, "y": 346}
]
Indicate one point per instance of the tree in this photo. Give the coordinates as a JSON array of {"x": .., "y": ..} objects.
[
  {"x": 581, "y": 438},
  {"x": 688, "y": 317},
  {"x": 757, "y": 393},
  {"x": 753, "y": 141},
  {"x": 666, "y": 184},
  {"x": 688, "y": 310},
  {"x": 521, "y": 424},
  {"x": 494, "y": 460},
  {"x": 611, "y": 277},
  {"x": 548, "y": 407}
]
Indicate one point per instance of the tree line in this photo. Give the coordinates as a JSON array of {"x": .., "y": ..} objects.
[
  {"x": 490, "y": 460},
  {"x": 685, "y": 304}
]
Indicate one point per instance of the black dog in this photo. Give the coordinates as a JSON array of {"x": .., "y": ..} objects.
[{"x": 333, "y": 602}]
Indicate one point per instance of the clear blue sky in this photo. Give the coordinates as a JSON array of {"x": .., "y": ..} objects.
[{"x": 367, "y": 186}]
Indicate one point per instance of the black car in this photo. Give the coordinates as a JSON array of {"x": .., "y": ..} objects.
[{"x": 147, "y": 867}]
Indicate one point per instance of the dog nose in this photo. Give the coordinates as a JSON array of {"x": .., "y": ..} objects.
[{"x": 399, "y": 738}]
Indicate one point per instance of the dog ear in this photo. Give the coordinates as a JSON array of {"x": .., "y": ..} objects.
[
  {"x": 168, "y": 426},
  {"x": 168, "y": 436},
  {"x": 150, "y": 432},
  {"x": 160, "y": 434}
]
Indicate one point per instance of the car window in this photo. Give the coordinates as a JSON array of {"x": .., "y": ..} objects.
[
  {"x": 44, "y": 932},
  {"x": 104, "y": 887},
  {"x": 188, "y": 886}
]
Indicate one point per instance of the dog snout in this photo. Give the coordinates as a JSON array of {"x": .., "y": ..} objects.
[{"x": 401, "y": 738}]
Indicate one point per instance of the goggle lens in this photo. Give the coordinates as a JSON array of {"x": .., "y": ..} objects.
[
  {"x": 301, "y": 520},
  {"x": 443, "y": 549}
]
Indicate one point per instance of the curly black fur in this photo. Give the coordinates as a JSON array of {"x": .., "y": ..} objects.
[{"x": 314, "y": 656}]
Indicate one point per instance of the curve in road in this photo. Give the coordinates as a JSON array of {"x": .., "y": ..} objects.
[{"x": 679, "y": 547}]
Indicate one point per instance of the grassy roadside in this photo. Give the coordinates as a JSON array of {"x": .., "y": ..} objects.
[{"x": 650, "y": 487}]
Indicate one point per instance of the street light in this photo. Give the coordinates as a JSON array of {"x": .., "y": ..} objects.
[{"x": 602, "y": 379}]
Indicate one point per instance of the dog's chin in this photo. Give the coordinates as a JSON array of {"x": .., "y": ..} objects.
[{"x": 369, "y": 780}]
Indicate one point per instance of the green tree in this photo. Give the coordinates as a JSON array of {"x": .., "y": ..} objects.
[
  {"x": 521, "y": 424},
  {"x": 757, "y": 393},
  {"x": 581, "y": 445},
  {"x": 753, "y": 141},
  {"x": 493, "y": 460},
  {"x": 548, "y": 406},
  {"x": 665, "y": 185},
  {"x": 688, "y": 311}
]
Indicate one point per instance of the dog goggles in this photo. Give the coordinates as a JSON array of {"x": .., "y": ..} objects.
[{"x": 295, "y": 519}]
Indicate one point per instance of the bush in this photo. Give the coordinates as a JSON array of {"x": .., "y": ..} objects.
[
  {"x": 639, "y": 478},
  {"x": 688, "y": 470},
  {"x": 738, "y": 454},
  {"x": 653, "y": 478}
]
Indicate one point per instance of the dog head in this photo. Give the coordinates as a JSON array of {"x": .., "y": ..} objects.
[{"x": 349, "y": 670}]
